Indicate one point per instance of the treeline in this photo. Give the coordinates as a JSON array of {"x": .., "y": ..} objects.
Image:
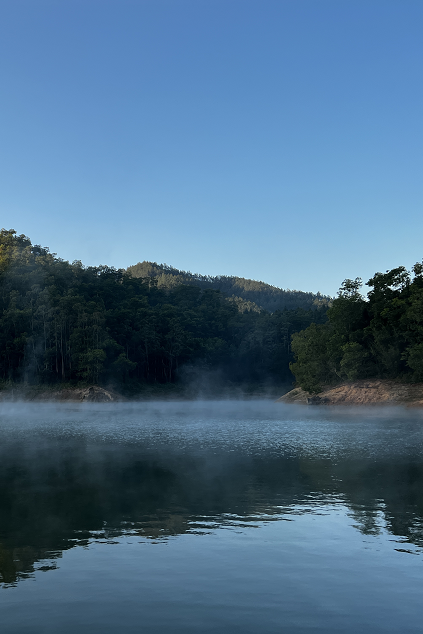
[
  {"x": 378, "y": 336},
  {"x": 62, "y": 322},
  {"x": 258, "y": 295}
]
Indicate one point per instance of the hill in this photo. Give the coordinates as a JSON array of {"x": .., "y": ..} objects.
[
  {"x": 64, "y": 324},
  {"x": 258, "y": 294}
]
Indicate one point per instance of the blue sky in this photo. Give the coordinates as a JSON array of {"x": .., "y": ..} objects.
[{"x": 277, "y": 140}]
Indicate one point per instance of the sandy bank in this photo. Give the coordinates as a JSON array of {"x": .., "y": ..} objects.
[{"x": 364, "y": 392}]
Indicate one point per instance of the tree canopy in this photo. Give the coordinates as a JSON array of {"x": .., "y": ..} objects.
[
  {"x": 377, "y": 336},
  {"x": 62, "y": 322},
  {"x": 263, "y": 296}
]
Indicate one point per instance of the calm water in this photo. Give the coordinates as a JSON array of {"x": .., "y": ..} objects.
[{"x": 210, "y": 517}]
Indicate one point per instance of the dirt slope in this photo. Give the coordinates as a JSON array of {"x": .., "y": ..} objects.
[{"x": 365, "y": 392}]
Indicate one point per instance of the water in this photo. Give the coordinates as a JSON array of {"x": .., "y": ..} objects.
[{"x": 210, "y": 517}]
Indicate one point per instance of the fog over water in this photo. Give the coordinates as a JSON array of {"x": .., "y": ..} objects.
[{"x": 273, "y": 488}]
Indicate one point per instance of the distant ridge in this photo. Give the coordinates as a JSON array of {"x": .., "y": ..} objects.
[{"x": 252, "y": 294}]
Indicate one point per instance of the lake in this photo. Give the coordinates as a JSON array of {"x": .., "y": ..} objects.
[{"x": 231, "y": 516}]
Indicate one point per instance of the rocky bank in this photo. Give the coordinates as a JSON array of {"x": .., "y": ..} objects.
[
  {"x": 93, "y": 394},
  {"x": 364, "y": 392}
]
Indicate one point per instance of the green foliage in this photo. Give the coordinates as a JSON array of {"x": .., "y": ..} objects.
[
  {"x": 62, "y": 322},
  {"x": 414, "y": 357},
  {"x": 354, "y": 361},
  {"x": 378, "y": 336},
  {"x": 257, "y": 295},
  {"x": 313, "y": 366}
]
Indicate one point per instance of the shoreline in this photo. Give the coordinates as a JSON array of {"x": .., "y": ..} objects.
[
  {"x": 97, "y": 394},
  {"x": 92, "y": 394},
  {"x": 362, "y": 392}
]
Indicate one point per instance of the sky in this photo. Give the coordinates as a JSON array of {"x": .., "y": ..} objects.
[{"x": 279, "y": 140}]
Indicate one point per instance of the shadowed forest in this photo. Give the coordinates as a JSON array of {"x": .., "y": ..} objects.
[
  {"x": 152, "y": 326},
  {"x": 65, "y": 323}
]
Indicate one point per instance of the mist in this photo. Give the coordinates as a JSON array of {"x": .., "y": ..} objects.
[{"x": 71, "y": 474}]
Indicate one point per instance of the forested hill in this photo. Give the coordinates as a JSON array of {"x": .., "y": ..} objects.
[
  {"x": 67, "y": 323},
  {"x": 263, "y": 295}
]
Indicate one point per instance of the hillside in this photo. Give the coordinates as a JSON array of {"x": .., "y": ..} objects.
[
  {"x": 263, "y": 296},
  {"x": 65, "y": 324}
]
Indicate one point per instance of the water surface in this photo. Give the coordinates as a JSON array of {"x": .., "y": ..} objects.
[{"x": 210, "y": 517}]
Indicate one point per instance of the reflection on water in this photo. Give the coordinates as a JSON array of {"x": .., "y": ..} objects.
[{"x": 76, "y": 475}]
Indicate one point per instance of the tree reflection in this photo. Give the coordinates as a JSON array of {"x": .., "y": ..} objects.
[{"x": 56, "y": 494}]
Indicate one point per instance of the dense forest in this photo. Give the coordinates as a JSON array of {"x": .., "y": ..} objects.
[
  {"x": 378, "y": 336},
  {"x": 64, "y": 323},
  {"x": 249, "y": 294}
]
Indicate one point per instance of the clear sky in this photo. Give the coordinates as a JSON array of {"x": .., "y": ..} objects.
[{"x": 272, "y": 139}]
